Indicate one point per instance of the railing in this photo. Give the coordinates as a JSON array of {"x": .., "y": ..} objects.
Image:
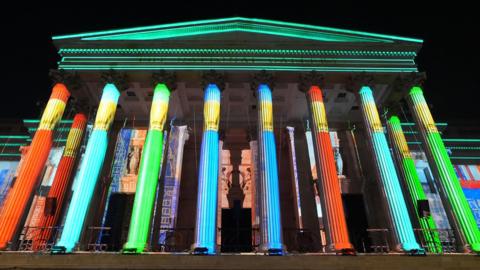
[
  {"x": 447, "y": 244},
  {"x": 35, "y": 238},
  {"x": 378, "y": 239},
  {"x": 173, "y": 240},
  {"x": 303, "y": 240},
  {"x": 94, "y": 236},
  {"x": 233, "y": 240}
]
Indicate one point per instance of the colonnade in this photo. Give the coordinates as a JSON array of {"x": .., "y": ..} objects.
[{"x": 268, "y": 184}]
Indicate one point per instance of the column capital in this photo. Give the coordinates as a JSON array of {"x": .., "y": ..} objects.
[
  {"x": 168, "y": 78},
  {"x": 120, "y": 79},
  {"x": 262, "y": 77},
  {"x": 69, "y": 79},
  {"x": 309, "y": 79},
  {"x": 355, "y": 82},
  {"x": 213, "y": 76}
]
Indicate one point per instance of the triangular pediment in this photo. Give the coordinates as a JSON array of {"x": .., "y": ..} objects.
[{"x": 241, "y": 26}]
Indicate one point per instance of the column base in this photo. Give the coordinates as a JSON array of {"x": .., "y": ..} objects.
[
  {"x": 198, "y": 249},
  {"x": 133, "y": 248},
  {"x": 267, "y": 249},
  {"x": 59, "y": 250}
]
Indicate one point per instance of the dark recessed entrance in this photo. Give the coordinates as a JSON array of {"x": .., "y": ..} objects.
[{"x": 236, "y": 229}]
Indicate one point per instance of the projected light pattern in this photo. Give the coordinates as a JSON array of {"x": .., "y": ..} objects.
[
  {"x": 18, "y": 197},
  {"x": 89, "y": 171},
  {"x": 387, "y": 173},
  {"x": 443, "y": 170},
  {"x": 327, "y": 171},
  {"x": 62, "y": 180},
  {"x": 406, "y": 166},
  {"x": 270, "y": 221},
  {"x": 205, "y": 229},
  {"x": 148, "y": 173}
]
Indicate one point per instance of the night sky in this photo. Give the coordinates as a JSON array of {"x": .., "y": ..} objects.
[{"x": 448, "y": 56}]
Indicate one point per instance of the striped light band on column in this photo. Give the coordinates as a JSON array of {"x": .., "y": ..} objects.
[
  {"x": 270, "y": 220},
  {"x": 148, "y": 173},
  {"x": 407, "y": 169},
  {"x": 206, "y": 225},
  {"x": 89, "y": 171},
  {"x": 386, "y": 172},
  {"x": 327, "y": 171},
  {"x": 443, "y": 170},
  {"x": 24, "y": 186},
  {"x": 61, "y": 181}
]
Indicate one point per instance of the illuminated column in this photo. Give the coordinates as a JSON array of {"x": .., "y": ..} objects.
[
  {"x": 386, "y": 172},
  {"x": 19, "y": 195},
  {"x": 148, "y": 173},
  {"x": 89, "y": 171},
  {"x": 407, "y": 169},
  {"x": 295, "y": 186},
  {"x": 329, "y": 183},
  {"x": 270, "y": 221},
  {"x": 62, "y": 179},
  {"x": 443, "y": 170},
  {"x": 205, "y": 228}
]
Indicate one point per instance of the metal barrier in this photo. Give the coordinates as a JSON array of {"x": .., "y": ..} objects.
[
  {"x": 35, "y": 238},
  {"x": 95, "y": 234},
  {"x": 378, "y": 240},
  {"x": 303, "y": 240},
  {"x": 448, "y": 243},
  {"x": 173, "y": 240}
]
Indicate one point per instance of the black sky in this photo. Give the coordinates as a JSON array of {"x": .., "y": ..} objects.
[{"x": 449, "y": 55}]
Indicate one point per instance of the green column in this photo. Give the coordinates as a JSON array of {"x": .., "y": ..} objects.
[
  {"x": 443, "y": 170},
  {"x": 407, "y": 169},
  {"x": 148, "y": 174}
]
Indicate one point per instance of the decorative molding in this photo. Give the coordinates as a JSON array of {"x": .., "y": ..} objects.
[
  {"x": 262, "y": 77},
  {"x": 355, "y": 82},
  {"x": 309, "y": 79},
  {"x": 168, "y": 78},
  {"x": 120, "y": 79},
  {"x": 215, "y": 77}
]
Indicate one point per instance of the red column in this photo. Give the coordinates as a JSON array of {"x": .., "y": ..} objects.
[
  {"x": 327, "y": 172},
  {"x": 18, "y": 197},
  {"x": 62, "y": 181}
]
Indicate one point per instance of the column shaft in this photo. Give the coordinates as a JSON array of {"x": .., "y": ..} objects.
[
  {"x": 386, "y": 172},
  {"x": 89, "y": 171},
  {"x": 205, "y": 229},
  {"x": 270, "y": 220},
  {"x": 442, "y": 168},
  {"x": 407, "y": 169},
  {"x": 328, "y": 177},
  {"x": 148, "y": 174},
  {"x": 61, "y": 181},
  {"x": 21, "y": 192}
]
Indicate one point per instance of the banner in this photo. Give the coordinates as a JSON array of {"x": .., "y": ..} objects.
[{"x": 173, "y": 173}]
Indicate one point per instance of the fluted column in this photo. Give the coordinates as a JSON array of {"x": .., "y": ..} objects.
[
  {"x": 89, "y": 171},
  {"x": 328, "y": 177},
  {"x": 269, "y": 200},
  {"x": 206, "y": 225},
  {"x": 407, "y": 169},
  {"x": 19, "y": 195},
  {"x": 443, "y": 170},
  {"x": 148, "y": 173},
  {"x": 62, "y": 180},
  {"x": 386, "y": 172},
  {"x": 295, "y": 185}
]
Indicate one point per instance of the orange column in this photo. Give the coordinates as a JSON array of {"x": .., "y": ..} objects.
[
  {"x": 328, "y": 179},
  {"x": 19, "y": 196},
  {"x": 62, "y": 180}
]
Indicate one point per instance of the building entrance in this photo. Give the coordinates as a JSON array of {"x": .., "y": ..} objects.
[{"x": 236, "y": 229}]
